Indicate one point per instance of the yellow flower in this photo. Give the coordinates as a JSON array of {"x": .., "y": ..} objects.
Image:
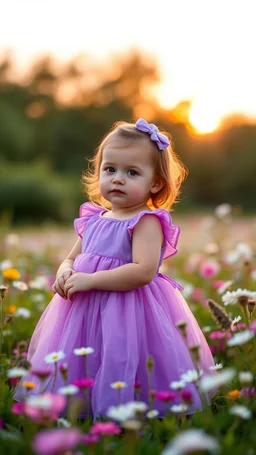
[
  {"x": 29, "y": 385},
  {"x": 234, "y": 394},
  {"x": 11, "y": 274},
  {"x": 10, "y": 309}
]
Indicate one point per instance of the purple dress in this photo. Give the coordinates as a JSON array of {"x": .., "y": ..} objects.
[{"x": 123, "y": 327}]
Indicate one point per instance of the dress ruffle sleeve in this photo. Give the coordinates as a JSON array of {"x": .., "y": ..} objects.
[
  {"x": 87, "y": 209},
  {"x": 170, "y": 231}
]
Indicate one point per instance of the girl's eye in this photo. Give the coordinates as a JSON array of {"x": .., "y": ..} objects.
[
  {"x": 132, "y": 172},
  {"x": 110, "y": 169}
]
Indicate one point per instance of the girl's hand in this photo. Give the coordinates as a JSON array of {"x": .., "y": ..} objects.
[
  {"x": 78, "y": 281},
  {"x": 58, "y": 286}
]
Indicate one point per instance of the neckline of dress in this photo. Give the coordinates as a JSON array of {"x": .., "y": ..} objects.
[{"x": 120, "y": 219}]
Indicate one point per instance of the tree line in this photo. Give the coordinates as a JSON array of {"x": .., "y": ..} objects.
[{"x": 52, "y": 119}]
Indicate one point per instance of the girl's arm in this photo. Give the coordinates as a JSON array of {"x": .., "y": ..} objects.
[
  {"x": 67, "y": 264},
  {"x": 146, "y": 249},
  {"x": 65, "y": 269}
]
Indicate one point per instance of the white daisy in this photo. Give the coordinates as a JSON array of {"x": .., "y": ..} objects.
[
  {"x": 40, "y": 282},
  {"x": 231, "y": 298},
  {"x": 16, "y": 372},
  {"x": 180, "y": 324},
  {"x": 152, "y": 413},
  {"x": 231, "y": 257},
  {"x": 178, "y": 408},
  {"x": 177, "y": 385},
  {"x": 240, "y": 338},
  {"x": 188, "y": 441},
  {"x": 246, "y": 378},
  {"x": 236, "y": 320},
  {"x": 83, "y": 351},
  {"x": 70, "y": 389},
  {"x": 131, "y": 424},
  {"x": 224, "y": 286},
  {"x": 216, "y": 367},
  {"x": 206, "y": 329},
  {"x": 63, "y": 423},
  {"x": 6, "y": 264},
  {"x": 244, "y": 250},
  {"x": 187, "y": 289},
  {"x": 40, "y": 401},
  {"x": 118, "y": 385},
  {"x": 137, "y": 406},
  {"x": 54, "y": 357},
  {"x": 120, "y": 413},
  {"x": 223, "y": 210},
  {"x": 210, "y": 382},
  {"x": 20, "y": 285},
  {"x": 23, "y": 313},
  {"x": 241, "y": 411},
  {"x": 191, "y": 376}
]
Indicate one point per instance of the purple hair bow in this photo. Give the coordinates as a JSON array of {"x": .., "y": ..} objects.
[{"x": 161, "y": 140}]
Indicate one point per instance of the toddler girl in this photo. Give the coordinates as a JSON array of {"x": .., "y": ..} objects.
[{"x": 109, "y": 294}]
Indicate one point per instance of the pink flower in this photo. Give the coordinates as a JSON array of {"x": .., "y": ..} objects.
[
  {"x": 197, "y": 295},
  {"x": 218, "y": 283},
  {"x": 165, "y": 396},
  {"x": 137, "y": 385},
  {"x": 44, "y": 415},
  {"x": 84, "y": 383},
  {"x": 209, "y": 269},
  {"x": 217, "y": 335},
  {"x": 105, "y": 428},
  {"x": 193, "y": 262},
  {"x": 252, "y": 326},
  {"x": 55, "y": 441},
  {"x": 241, "y": 325},
  {"x": 90, "y": 439}
]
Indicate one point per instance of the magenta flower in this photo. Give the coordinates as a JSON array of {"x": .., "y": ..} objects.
[
  {"x": 84, "y": 383},
  {"x": 90, "y": 439},
  {"x": 209, "y": 269},
  {"x": 252, "y": 326},
  {"x": 217, "y": 335},
  {"x": 56, "y": 441},
  {"x": 105, "y": 428},
  {"x": 18, "y": 408},
  {"x": 41, "y": 374},
  {"x": 137, "y": 385},
  {"x": 187, "y": 396},
  {"x": 165, "y": 396}
]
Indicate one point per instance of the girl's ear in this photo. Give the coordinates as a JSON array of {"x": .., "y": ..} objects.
[{"x": 158, "y": 184}]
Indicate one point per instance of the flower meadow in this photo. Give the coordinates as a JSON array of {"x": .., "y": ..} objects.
[{"x": 216, "y": 266}]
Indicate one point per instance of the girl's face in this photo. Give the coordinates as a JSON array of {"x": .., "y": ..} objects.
[{"x": 127, "y": 172}]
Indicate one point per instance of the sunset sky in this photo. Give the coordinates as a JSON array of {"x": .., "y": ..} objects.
[{"x": 205, "y": 48}]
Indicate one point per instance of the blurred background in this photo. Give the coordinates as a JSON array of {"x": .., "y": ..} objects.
[{"x": 69, "y": 70}]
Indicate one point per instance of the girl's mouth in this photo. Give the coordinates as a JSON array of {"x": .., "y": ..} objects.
[{"x": 117, "y": 191}]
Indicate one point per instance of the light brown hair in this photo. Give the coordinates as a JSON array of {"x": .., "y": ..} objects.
[{"x": 167, "y": 166}]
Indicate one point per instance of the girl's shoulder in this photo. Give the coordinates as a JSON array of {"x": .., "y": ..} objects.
[
  {"x": 89, "y": 209},
  {"x": 86, "y": 211},
  {"x": 171, "y": 232}
]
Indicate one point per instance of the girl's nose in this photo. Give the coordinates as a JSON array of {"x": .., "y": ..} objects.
[{"x": 117, "y": 178}]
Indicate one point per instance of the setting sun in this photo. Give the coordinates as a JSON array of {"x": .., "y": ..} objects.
[
  {"x": 203, "y": 120},
  {"x": 196, "y": 47}
]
